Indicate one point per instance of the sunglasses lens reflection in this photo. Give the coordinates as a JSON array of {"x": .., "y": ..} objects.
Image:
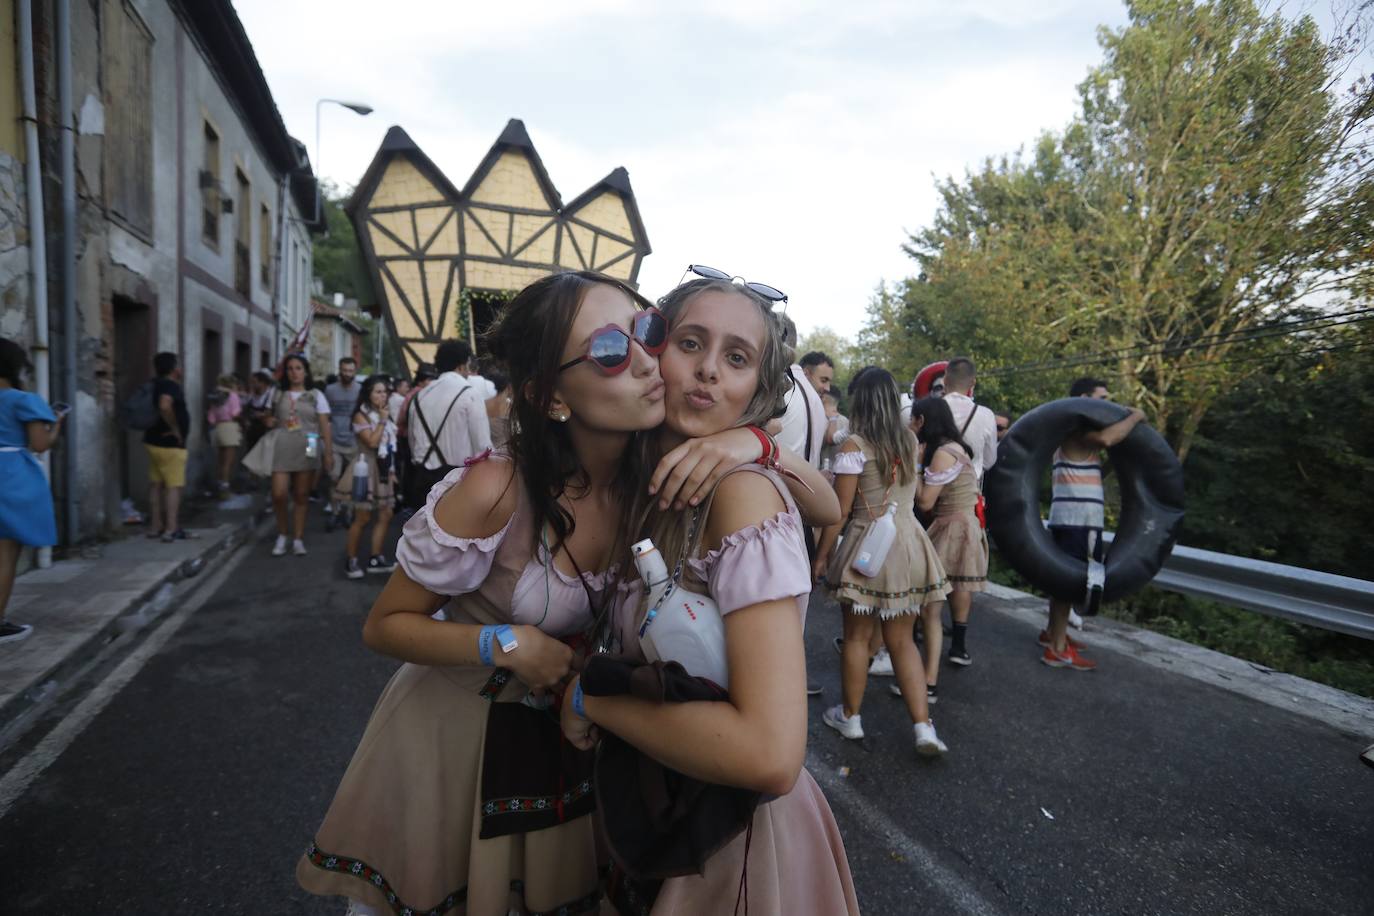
[
  {"x": 651, "y": 329},
  {"x": 709, "y": 273},
  {"x": 609, "y": 349},
  {"x": 768, "y": 292}
]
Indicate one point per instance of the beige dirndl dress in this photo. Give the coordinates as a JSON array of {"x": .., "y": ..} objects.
[
  {"x": 381, "y": 491},
  {"x": 794, "y": 853},
  {"x": 403, "y": 832},
  {"x": 958, "y": 538},
  {"x": 912, "y": 575},
  {"x": 296, "y": 418}
]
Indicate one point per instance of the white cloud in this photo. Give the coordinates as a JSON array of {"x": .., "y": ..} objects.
[{"x": 791, "y": 142}]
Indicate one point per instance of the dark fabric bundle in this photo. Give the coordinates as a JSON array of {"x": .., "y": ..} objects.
[
  {"x": 659, "y": 823},
  {"x": 531, "y": 777}
]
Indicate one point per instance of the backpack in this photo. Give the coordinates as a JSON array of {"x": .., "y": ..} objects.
[{"x": 139, "y": 410}]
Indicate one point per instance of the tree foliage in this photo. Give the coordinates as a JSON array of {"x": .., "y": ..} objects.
[
  {"x": 337, "y": 256},
  {"x": 1215, "y": 181}
]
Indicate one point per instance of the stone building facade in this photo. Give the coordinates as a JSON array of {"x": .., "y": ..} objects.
[{"x": 194, "y": 218}]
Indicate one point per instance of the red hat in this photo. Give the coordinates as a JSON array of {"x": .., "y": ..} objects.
[{"x": 927, "y": 376}]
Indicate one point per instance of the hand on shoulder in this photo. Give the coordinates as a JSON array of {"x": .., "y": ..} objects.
[
  {"x": 742, "y": 500},
  {"x": 480, "y": 504}
]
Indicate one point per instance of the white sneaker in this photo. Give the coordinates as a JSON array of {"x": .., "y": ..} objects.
[
  {"x": 928, "y": 744},
  {"x": 896, "y": 691},
  {"x": 881, "y": 666},
  {"x": 1074, "y": 620},
  {"x": 298, "y": 547},
  {"x": 849, "y": 726},
  {"x": 279, "y": 548}
]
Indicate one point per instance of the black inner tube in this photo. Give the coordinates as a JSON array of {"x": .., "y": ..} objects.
[{"x": 1151, "y": 500}]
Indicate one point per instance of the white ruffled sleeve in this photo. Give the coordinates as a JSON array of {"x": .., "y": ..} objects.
[
  {"x": 849, "y": 463},
  {"x": 439, "y": 561}
]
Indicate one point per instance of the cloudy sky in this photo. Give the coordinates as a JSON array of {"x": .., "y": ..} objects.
[{"x": 794, "y": 143}]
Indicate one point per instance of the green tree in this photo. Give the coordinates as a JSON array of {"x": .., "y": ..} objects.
[
  {"x": 1215, "y": 181},
  {"x": 338, "y": 260}
]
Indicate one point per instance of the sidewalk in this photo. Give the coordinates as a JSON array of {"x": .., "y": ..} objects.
[{"x": 79, "y": 606}]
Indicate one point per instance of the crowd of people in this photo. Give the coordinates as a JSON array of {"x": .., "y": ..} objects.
[{"x": 530, "y": 694}]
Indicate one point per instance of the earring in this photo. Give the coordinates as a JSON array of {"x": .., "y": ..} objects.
[{"x": 559, "y": 416}]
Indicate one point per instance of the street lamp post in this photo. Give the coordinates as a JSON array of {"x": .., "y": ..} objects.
[{"x": 355, "y": 107}]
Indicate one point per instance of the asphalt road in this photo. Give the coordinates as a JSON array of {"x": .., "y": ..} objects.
[{"x": 1129, "y": 790}]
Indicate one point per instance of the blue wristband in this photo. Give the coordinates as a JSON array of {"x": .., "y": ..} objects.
[
  {"x": 578, "y": 702},
  {"x": 484, "y": 637}
]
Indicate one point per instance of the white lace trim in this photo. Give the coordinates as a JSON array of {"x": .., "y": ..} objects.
[{"x": 886, "y": 613}]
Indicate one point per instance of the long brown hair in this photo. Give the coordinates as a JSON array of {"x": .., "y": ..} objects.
[
  {"x": 875, "y": 415},
  {"x": 528, "y": 338}
]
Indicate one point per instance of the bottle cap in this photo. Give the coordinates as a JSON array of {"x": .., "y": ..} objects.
[{"x": 642, "y": 547}]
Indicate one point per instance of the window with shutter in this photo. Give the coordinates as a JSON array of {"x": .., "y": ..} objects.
[{"x": 127, "y": 51}]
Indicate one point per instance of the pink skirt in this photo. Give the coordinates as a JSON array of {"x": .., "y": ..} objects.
[{"x": 797, "y": 865}]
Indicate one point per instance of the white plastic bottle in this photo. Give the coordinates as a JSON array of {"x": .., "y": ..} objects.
[
  {"x": 652, "y": 569},
  {"x": 360, "y": 475},
  {"x": 876, "y": 543},
  {"x": 681, "y": 626}
]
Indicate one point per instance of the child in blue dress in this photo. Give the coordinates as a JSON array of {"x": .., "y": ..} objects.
[{"x": 27, "y": 426}]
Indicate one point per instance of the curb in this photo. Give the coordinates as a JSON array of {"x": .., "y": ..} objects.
[
  {"x": 1347, "y": 713},
  {"x": 24, "y": 707}
]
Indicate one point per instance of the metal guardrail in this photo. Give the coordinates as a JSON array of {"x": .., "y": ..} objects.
[{"x": 1318, "y": 599}]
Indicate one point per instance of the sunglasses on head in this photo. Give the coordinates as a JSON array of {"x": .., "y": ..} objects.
[
  {"x": 772, "y": 294},
  {"x": 608, "y": 349}
]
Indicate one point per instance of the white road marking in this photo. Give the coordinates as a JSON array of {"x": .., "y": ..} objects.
[
  {"x": 17, "y": 781},
  {"x": 958, "y": 893}
]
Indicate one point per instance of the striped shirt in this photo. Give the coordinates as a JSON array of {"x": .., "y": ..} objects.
[{"x": 1076, "y": 493}]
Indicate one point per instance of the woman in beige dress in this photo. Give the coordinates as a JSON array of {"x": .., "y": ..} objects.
[
  {"x": 300, "y": 414},
  {"x": 372, "y": 498},
  {"x": 949, "y": 490},
  {"x": 875, "y": 472}
]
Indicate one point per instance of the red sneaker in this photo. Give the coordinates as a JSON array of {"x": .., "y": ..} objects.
[
  {"x": 1069, "y": 658},
  {"x": 1044, "y": 640}
]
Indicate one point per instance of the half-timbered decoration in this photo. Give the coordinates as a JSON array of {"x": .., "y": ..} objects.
[{"x": 442, "y": 257}]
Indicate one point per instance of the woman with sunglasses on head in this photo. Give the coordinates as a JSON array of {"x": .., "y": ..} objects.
[
  {"x": 458, "y": 790},
  {"x": 725, "y": 368},
  {"x": 876, "y": 478}
]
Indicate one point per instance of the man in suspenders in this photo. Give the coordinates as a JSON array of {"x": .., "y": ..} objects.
[{"x": 446, "y": 422}]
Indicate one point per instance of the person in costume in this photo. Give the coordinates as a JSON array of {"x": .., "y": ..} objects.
[
  {"x": 876, "y": 476},
  {"x": 461, "y": 796},
  {"x": 949, "y": 490},
  {"x": 725, "y": 368}
]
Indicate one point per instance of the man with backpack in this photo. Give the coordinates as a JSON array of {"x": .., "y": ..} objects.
[
  {"x": 163, "y": 401},
  {"x": 446, "y": 422}
]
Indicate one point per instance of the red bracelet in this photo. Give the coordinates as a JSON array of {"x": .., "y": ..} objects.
[{"x": 769, "y": 455}]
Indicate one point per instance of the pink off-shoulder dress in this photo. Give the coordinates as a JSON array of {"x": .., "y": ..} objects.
[
  {"x": 402, "y": 833},
  {"x": 796, "y": 859}
]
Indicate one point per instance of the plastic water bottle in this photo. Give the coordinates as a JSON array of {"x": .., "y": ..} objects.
[
  {"x": 360, "y": 475},
  {"x": 652, "y": 569},
  {"x": 876, "y": 543},
  {"x": 681, "y": 626},
  {"x": 312, "y": 444}
]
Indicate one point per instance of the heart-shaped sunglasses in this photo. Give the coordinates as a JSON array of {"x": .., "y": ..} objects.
[{"x": 608, "y": 349}]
